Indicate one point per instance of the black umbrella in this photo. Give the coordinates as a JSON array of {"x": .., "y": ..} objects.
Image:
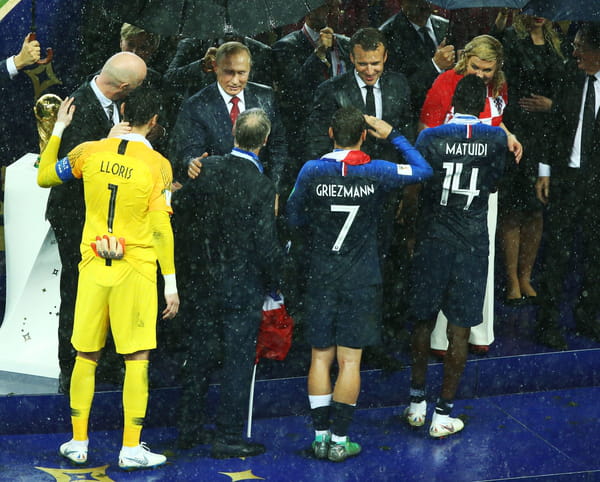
[
  {"x": 455, "y": 4},
  {"x": 210, "y": 18},
  {"x": 579, "y": 10}
]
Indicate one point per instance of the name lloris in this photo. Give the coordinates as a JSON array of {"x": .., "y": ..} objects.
[
  {"x": 339, "y": 190},
  {"x": 116, "y": 169},
  {"x": 467, "y": 149}
]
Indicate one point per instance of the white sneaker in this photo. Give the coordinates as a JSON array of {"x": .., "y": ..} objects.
[
  {"x": 443, "y": 425},
  {"x": 75, "y": 450},
  {"x": 415, "y": 413},
  {"x": 139, "y": 457}
]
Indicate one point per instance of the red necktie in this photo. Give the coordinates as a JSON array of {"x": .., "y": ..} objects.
[{"x": 235, "y": 110}]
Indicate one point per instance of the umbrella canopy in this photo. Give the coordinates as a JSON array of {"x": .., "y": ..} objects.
[
  {"x": 210, "y": 18},
  {"x": 455, "y": 4},
  {"x": 584, "y": 10}
]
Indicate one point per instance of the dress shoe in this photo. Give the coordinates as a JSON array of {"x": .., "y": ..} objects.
[
  {"x": 551, "y": 337},
  {"x": 479, "y": 349},
  {"x": 223, "y": 450},
  {"x": 187, "y": 440}
]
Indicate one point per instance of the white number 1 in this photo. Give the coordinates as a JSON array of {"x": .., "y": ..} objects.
[{"x": 342, "y": 208}]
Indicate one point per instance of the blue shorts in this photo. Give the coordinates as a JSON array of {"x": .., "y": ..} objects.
[
  {"x": 448, "y": 279},
  {"x": 341, "y": 317}
]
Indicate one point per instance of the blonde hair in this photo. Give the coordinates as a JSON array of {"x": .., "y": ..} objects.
[
  {"x": 522, "y": 27},
  {"x": 488, "y": 49}
]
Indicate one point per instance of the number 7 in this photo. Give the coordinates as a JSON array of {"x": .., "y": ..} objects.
[{"x": 351, "y": 210}]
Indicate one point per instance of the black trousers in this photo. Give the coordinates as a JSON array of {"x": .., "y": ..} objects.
[
  {"x": 574, "y": 208},
  {"x": 220, "y": 338}
]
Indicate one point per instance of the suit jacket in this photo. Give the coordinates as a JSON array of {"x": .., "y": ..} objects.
[
  {"x": 4, "y": 75},
  {"x": 225, "y": 229},
  {"x": 298, "y": 72},
  {"x": 565, "y": 109},
  {"x": 204, "y": 125},
  {"x": 407, "y": 54},
  {"x": 185, "y": 70},
  {"x": 65, "y": 203},
  {"x": 343, "y": 91}
]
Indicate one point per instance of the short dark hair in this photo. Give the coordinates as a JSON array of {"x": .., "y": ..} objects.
[
  {"x": 231, "y": 48},
  {"x": 141, "y": 105},
  {"x": 469, "y": 95},
  {"x": 348, "y": 124},
  {"x": 251, "y": 129},
  {"x": 368, "y": 38},
  {"x": 590, "y": 34}
]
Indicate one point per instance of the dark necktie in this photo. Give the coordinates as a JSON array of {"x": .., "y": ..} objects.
[
  {"x": 430, "y": 47},
  {"x": 589, "y": 119},
  {"x": 110, "y": 113},
  {"x": 370, "y": 101},
  {"x": 235, "y": 110}
]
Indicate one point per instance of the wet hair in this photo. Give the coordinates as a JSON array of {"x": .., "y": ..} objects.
[
  {"x": 348, "y": 124},
  {"x": 128, "y": 31},
  {"x": 251, "y": 129},
  {"x": 590, "y": 34},
  {"x": 368, "y": 38},
  {"x": 469, "y": 95},
  {"x": 231, "y": 48},
  {"x": 522, "y": 25},
  {"x": 141, "y": 105},
  {"x": 489, "y": 49}
]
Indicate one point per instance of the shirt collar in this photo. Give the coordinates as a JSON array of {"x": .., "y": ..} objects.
[
  {"x": 428, "y": 25},
  {"x": 136, "y": 138},
  {"x": 464, "y": 119},
  {"x": 104, "y": 101},
  {"x": 253, "y": 158},
  {"x": 227, "y": 98},
  {"x": 361, "y": 82}
]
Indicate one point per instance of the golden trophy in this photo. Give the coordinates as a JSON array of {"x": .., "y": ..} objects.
[{"x": 46, "y": 110}]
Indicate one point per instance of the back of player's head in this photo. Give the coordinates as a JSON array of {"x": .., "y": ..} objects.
[
  {"x": 141, "y": 105},
  {"x": 251, "y": 129},
  {"x": 470, "y": 95},
  {"x": 369, "y": 38},
  {"x": 348, "y": 124}
]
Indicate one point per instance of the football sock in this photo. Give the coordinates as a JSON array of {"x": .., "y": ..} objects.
[
  {"x": 443, "y": 406},
  {"x": 135, "y": 400},
  {"x": 341, "y": 415},
  {"x": 319, "y": 411},
  {"x": 83, "y": 383},
  {"x": 417, "y": 395}
]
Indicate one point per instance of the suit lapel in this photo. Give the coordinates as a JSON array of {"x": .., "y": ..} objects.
[{"x": 97, "y": 110}]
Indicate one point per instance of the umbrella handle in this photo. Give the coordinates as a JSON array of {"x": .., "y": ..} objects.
[{"x": 49, "y": 52}]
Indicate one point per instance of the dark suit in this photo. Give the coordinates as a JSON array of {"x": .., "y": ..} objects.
[
  {"x": 297, "y": 72},
  {"x": 228, "y": 257},
  {"x": 343, "y": 91},
  {"x": 407, "y": 54},
  {"x": 4, "y": 75},
  {"x": 66, "y": 213},
  {"x": 574, "y": 204},
  {"x": 204, "y": 125},
  {"x": 185, "y": 70}
]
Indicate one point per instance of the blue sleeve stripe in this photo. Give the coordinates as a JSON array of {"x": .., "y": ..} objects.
[{"x": 63, "y": 170}]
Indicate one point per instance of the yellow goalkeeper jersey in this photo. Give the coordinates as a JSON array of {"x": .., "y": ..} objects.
[{"x": 123, "y": 181}]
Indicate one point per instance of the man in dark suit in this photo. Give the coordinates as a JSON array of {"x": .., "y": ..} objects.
[
  {"x": 95, "y": 113},
  {"x": 301, "y": 61},
  {"x": 225, "y": 224},
  {"x": 191, "y": 73},
  {"x": 204, "y": 124},
  {"x": 417, "y": 47},
  {"x": 389, "y": 91},
  {"x": 572, "y": 192}
]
